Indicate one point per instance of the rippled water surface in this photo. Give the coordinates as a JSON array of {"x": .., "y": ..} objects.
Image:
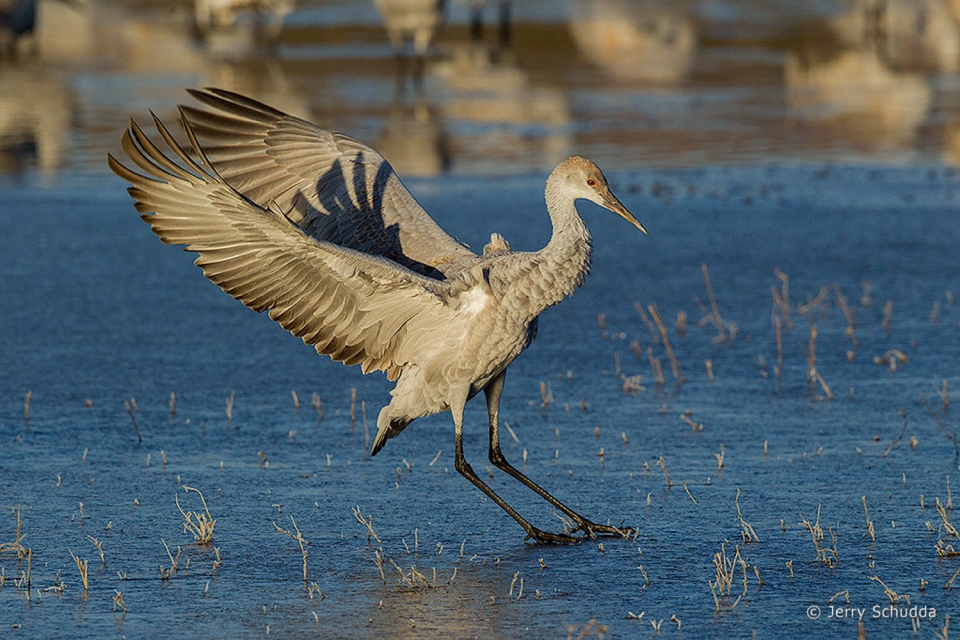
[{"x": 770, "y": 148}]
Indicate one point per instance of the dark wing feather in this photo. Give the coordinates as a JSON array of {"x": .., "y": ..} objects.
[{"x": 332, "y": 186}]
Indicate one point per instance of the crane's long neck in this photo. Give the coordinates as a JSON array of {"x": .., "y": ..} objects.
[{"x": 560, "y": 267}]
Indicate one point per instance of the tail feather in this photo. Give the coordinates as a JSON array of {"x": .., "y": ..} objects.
[{"x": 387, "y": 428}]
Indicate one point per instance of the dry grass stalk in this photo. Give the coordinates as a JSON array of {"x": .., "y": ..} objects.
[
  {"x": 826, "y": 555},
  {"x": 173, "y": 403},
  {"x": 887, "y": 315},
  {"x": 631, "y": 384},
  {"x": 949, "y": 582},
  {"x": 891, "y": 594},
  {"x": 943, "y": 395},
  {"x": 848, "y": 313},
  {"x": 353, "y": 407},
  {"x": 944, "y": 633},
  {"x": 315, "y": 401},
  {"x": 592, "y": 628},
  {"x": 300, "y": 540},
  {"x": 946, "y": 550},
  {"x": 779, "y": 368},
  {"x": 17, "y": 544},
  {"x": 709, "y": 365},
  {"x": 789, "y": 564},
  {"x": 368, "y": 523},
  {"x": 952, "y": 437},
  {"x": 414, "y": 578},
  {"x": 174, "y": 561},
  {"x": 132, "y": 410},
  {"x": 715, "y": 310},
  {"x": 674, "y": 365},
  {"x": 845, "y": 593},
  {"x": 935, "y": 311},
  {"x": 296, "y": 400},
  {"x": 781, "y": 300},
  {"x": 726, "y": 569},
  {"x": 229, "y": 408},
  {"x": 99, "y": 547},
  {"x": 646, "y": 580},
  {"x": 217, "y": 563},
  {"x": 870, "y": 530},
  {"x": 947, "y": 525},
  {"x": 746, "y": 529},
  {"x": 719, "y": 457},
  {"x": 647, "y": 321},
  {"x": 892, "y": 358},
  {"x": 378, "y": 559},
  {"x": 663, "y": 465},
  {"x": 657, "y": 368},
  {"x": 118, "y": 603},
  {"x": 865, "y": 298},
  {"x": 695, "y": 426},
  {"x": 688, "y": 493},
  {"x": 681, "y": 323},
  {"x": 823, "y": 385},
  {"x": 602, "y": 324},
  {"x": 513, "y": 583},
  {"x": 546, "y": 393},
  {"x": 898, "y": 438},
  {"x": 812, "y": 355},
  {"x": 26, "y": 406},
  {"x": 82, "y": 566},
  {"x": 814, "y": 303},
  {"x": 200, "y": 525}
]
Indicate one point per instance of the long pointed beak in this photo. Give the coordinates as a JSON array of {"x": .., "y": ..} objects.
[{"x": 610, "y": 202}]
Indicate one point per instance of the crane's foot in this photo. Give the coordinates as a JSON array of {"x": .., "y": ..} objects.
[
  {"x": 592, "y": 529},
  {"x": 542, "y": 537}
]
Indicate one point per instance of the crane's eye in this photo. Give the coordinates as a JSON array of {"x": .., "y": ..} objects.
[{"x": 591, "y": 182}]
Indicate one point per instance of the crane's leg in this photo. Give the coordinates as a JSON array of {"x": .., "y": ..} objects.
[
  {"x": 464, "y": 469},
  {"x": 492, "y": 392}
]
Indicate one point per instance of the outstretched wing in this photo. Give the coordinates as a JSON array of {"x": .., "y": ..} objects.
[
  {"x": 332, "y": 186},
  {"x": 351, "y": 306}
]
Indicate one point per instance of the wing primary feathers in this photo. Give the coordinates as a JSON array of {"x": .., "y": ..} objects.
[{"x": 357, "y": 308}]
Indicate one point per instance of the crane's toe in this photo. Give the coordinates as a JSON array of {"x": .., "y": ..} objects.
[
  {"x": 543, "y": 537},
  {"x": 593, "y": 530}
]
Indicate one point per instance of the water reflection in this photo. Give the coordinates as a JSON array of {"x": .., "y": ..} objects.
[
  {"x": 520, "y": 122},
  {"x": 413, "y": 139},
  {"x": 906, "y": 34},
  {"x": 644, "y": 41},
  {"x": 18, "y": 18},
  {"x": 506, "y": 86},
  {"x": 866, "y": 80},
  {"x": 265, "y": 16},
  {"x": 36, "y": 114},
  {"x": 410, "y": 23}
]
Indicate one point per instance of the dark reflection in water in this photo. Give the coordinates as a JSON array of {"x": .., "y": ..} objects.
[{"x": 511, "y": 87}]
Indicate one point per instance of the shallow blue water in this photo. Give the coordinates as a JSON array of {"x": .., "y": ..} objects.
[
  {"x": 96, "y": 309},
  {"x": 789, "y": 171}
]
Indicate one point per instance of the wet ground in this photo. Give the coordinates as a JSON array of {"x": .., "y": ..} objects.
[{"x": 745, "y": 150}]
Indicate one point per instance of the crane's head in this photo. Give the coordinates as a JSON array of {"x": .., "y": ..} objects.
[{"x": 581, "y": 178}]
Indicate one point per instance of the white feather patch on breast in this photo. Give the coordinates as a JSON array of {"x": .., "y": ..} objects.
[{"x": 473, "y": 301}]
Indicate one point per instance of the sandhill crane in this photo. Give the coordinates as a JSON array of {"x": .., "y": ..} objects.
[{"x": 316, "y": 228}]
